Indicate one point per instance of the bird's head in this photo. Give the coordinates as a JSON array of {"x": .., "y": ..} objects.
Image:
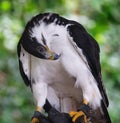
[
  {"x": 45, "y": 51},
  {"x": 36, "y": 38}
]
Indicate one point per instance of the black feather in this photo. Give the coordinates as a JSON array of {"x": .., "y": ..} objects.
[
  {"x": 91, "y": 51},
  {"x": 106, "y": 115}
]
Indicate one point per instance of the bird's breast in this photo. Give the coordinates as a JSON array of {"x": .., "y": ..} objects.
[
  {"x": 49, "y": 71},
  {"x": 54, "y": 75}
]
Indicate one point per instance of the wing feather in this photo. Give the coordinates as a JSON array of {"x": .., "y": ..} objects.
[{"x": 90, "y": 49}]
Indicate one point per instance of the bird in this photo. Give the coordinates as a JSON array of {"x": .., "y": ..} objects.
[{"x": 58, "y": 58}]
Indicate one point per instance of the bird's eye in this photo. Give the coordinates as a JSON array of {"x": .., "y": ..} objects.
[{"x": 41, "y": 49}]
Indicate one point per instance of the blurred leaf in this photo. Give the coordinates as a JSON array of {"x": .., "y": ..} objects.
[{"x": 5, "y": 5}]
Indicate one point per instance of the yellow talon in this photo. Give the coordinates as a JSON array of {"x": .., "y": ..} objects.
[
  {"x": 35, "y": 120},
  {"x": 75, "y": 115},
  {"x": 79, "y": 114},
  {"x": 38, "y": 109},
  {"x": 72, "y": 113},
  {"x": 85, "y": 102}
]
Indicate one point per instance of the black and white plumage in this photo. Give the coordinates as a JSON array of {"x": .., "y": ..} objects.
[{"x": 74, "y": 70}]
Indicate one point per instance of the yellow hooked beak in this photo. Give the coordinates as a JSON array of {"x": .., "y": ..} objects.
[{"x": 50, "y": 54}]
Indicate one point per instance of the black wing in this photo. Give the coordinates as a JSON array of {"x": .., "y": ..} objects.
[{"x": 91, "y": 50}]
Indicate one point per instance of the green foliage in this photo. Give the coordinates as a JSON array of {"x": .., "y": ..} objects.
[{"x": 101, "y": 19}]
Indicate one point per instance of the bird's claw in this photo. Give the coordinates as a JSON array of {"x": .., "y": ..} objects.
[
  {"x": 39, "y": 118},
  {"x": 35, "y": 120},
  {"x": 78, "y": 117},
  {"x": 82, "y": 115}
]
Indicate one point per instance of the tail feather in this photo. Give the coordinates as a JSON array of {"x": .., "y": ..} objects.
[{"x": 105, "y": 111}]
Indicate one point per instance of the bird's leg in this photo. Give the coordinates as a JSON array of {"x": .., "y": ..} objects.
[
  {"x": 35, "y": 118},
  {"x": 38, "y": 117},
  {"x": 80, "y": 115},
  {"x": 40, "y": 94}
]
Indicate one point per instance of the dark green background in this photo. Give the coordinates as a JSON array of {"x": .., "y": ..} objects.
[{"x": 100, "y": 17}]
